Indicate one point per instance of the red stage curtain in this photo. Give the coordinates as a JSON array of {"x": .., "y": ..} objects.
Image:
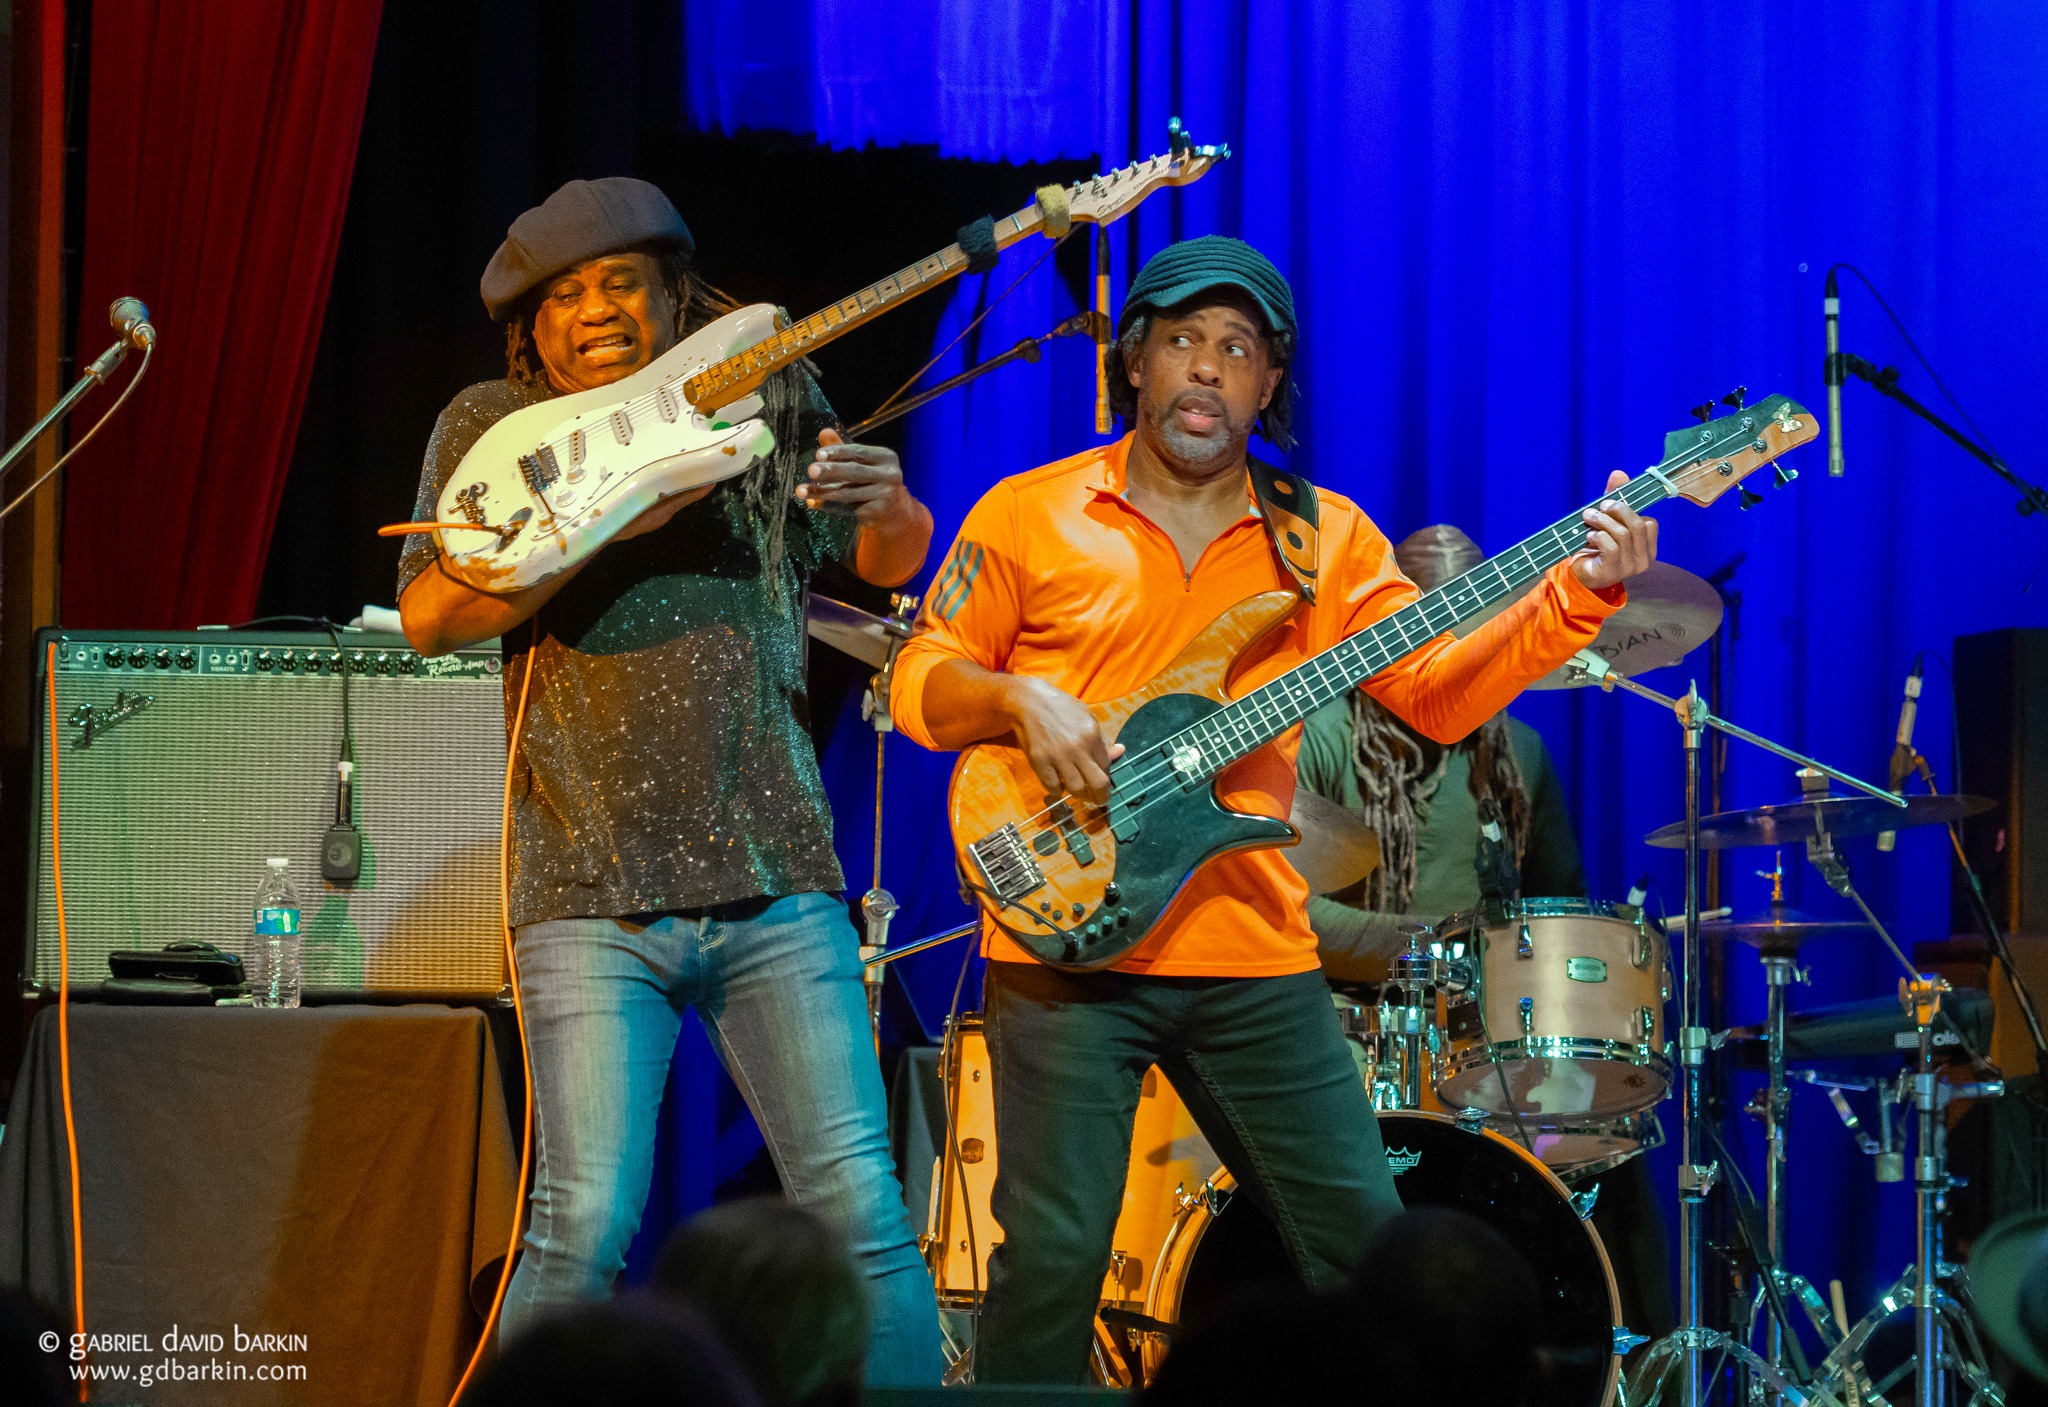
[{"x": 220, "y": 142}]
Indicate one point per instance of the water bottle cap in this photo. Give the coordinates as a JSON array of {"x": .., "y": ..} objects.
[{"x": 279, "y": 863}]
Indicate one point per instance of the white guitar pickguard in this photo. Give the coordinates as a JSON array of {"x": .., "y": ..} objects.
[{"x": 563, "y": 477}]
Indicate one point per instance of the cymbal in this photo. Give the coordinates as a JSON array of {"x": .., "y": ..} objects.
[
  {"x": 1669, "y": 612},
  {"x": 1337, "y": 849},
  {"x": 1796, "y": 821},
  {"x": 1777, "y": 929},
  {"x": 851, "y": 630},
  {"x": 1876, "y": 1027}
]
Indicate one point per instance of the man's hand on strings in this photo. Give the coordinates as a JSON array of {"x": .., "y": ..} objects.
[{"x": 1620, "y": 542}]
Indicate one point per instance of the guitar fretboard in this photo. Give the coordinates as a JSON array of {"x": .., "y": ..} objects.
[
  {"x": 1271, "y": 709},
  {"x": 726, "y": 381}
]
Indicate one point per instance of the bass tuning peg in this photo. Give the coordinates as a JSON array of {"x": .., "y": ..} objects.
[
  {"x": 1736, "y": 397},
  {"x": 1702, "y": 411},
  {"x": 1750, "y": 500},
  {"x": 1784, "y": 474}
]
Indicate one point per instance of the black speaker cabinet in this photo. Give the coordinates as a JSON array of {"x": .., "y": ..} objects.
[
  {"x": 2002, "y": 723},
  {"x": 185, "y": 760}
]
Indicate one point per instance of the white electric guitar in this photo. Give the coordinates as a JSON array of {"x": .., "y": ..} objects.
[{"x": 548, "y": 485}]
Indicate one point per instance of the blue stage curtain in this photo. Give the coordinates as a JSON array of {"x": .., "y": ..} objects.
[{"x": 1524, "y": 240}]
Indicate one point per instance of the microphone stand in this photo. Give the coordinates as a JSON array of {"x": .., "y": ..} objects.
[
  {"x": 878, "y": 905},
  {"x": 95, "y": 375},
  {"x": 1885, "y": 381},
  {"x": 1079, "y": 325}
]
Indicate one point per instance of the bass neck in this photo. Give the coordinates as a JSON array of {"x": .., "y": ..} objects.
[{"x": 1239, "y": 728}]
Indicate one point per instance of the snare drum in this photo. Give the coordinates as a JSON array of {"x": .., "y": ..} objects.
[
  {"x": 1221, "y": 1242},
  {"x": 1566, "y": 1007}
]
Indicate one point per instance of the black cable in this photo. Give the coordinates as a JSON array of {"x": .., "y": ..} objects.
[
  {"x": 348, "y": 736},
  {"x": 1918, "y": 356}
]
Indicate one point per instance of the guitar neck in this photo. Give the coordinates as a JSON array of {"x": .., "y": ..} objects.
[
  {"x": 739, "y": 376},
  {"x": 1271, "y": 709}
]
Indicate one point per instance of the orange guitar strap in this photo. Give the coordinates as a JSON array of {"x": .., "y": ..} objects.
[{"x": 1287, "y": 502}]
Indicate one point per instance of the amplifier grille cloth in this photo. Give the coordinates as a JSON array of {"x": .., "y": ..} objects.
[{"x": 169, "y": 816}]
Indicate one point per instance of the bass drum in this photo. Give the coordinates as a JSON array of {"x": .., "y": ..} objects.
[{"x": 1222, "y": 1243}]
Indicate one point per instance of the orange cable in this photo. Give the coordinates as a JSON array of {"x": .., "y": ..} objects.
[
  {"x": 64, "y": 1022},
  {"x": 518, "y": 1012}
]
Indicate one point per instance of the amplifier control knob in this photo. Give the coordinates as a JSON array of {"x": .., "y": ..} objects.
[
  {"x": 358, "y": 663},
  {"x": 312, "y": 662},
  {"x": 163, "y": 659},
  {"x": 383, "y": 661},
  {"x": 115, "y": 659},
  {"x": 138, "y": 657},
  {"x": 408, "y": 663},
  {"x": 264, "y": 660},
  {"x": 289, "y": 662},
  {"x": 186, "y": 659},
  {"x": 334, "y": 661}
]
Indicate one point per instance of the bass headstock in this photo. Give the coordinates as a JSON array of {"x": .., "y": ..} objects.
[
  {"x": 1112, "y": 194},
  {"x": 1704, "y": 461}
]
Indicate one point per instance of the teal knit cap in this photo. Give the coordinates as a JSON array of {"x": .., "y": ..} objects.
[{"x": 1180, "y": 271}]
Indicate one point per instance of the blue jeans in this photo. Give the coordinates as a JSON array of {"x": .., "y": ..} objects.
[{"x": 780, "y": 995}]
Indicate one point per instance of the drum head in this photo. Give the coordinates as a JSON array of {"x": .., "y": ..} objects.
[{"x": 1438, "y": 1164}]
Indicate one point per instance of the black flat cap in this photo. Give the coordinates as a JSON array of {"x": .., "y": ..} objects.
[{"x": 579, "y": 222}]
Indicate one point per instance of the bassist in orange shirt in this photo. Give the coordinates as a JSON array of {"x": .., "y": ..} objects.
[{"x": 1076, "y": 584}]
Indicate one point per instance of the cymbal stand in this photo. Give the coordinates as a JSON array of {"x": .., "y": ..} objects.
[
  {"x": 1687, "y": 1347},
  {"x": 878, "y": 905}
]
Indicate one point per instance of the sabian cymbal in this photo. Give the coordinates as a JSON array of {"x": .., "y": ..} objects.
[
  {"x": 1669, "y": 612},
  {"x": 851, "y": 630},
  {"x": 1337, "y": 849},
  {"x": 1796, "y": 821}
]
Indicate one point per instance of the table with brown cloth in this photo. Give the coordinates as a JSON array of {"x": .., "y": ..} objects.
[{"x": 342, "y": 1173}]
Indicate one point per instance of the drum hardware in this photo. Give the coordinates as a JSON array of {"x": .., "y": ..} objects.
[{"x": 1685, "y": 1350}]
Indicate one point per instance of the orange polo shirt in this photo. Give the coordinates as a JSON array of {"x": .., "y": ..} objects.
[{"x": 1056, "y": 575}]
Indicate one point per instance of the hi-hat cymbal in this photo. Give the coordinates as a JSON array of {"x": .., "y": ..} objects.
[
  {"x": 852, "y": 631},
  {"x": 1669, "y": 612},
  {"x": 1777, "y": 929},
  {"x": 1337, "y": 849},
  {"x": 1796, "y": 821}
]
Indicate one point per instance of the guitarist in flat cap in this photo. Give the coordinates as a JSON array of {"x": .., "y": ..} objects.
[{"x": 671, "y": 846}]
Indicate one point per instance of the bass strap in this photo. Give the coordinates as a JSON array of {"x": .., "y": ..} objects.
[{"x": 1287, "y": 505}]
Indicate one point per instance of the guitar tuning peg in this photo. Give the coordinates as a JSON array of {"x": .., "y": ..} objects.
[
  {"x": 1784, "y": 474},
  {"x": 1750, "y": 500},
  {"x": 1736, "y": 397},
  {"x": 1702, "y": 411}
]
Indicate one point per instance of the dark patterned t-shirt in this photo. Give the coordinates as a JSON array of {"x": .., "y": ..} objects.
[{"x": 665, "y": 762}]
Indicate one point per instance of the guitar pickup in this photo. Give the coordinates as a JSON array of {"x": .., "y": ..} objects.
[
  {"x": 1006, "y": 865},
  {"x": 1071, "y": 833}
]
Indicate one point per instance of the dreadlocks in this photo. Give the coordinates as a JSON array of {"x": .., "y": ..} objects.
[
  {"x": 1389, "y": 763},
  {"x": 769, "y": 488}
]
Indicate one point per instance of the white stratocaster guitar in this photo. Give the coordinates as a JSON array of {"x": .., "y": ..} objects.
[{"x": 548, "y": 485}]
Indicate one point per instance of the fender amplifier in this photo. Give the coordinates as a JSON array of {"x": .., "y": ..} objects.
[{"x": 186, "y": 759}]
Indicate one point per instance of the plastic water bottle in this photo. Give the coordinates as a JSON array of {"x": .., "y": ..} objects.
[{"x": 277, "y": 952}]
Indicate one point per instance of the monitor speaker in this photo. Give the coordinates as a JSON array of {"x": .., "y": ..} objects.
[
  {"x": 2002, "y": 734},
  {"x": 185, "y": 760}
]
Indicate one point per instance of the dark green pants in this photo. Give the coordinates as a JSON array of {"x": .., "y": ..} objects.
[{"x": 1263, "y": 1068}]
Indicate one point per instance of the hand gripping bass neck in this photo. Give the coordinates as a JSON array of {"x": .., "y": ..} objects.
[
  {"x": 548, "y": 485},
  {"x": 1079, "y": 886}
]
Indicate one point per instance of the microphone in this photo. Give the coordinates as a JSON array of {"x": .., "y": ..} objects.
[
  {"x": 1903, "y": 755},
  {"x": 1831, "y": 306},
  {"x": 130, "y": 318}
]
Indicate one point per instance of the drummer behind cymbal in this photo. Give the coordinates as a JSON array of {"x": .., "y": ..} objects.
[{"x": 1423, "y": 800}]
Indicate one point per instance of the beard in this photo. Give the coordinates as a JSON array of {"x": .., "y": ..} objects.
[{"x": 1224, "y": 441}]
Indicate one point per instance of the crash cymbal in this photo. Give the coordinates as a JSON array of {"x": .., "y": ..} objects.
[
  {"x": 1669, "y": 612},
  {"x": 1796, "y": 821},
  {"x": 852, "y": 631},
  {"x": 1337, "y": 849}
]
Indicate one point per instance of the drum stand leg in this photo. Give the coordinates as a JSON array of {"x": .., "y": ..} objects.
[{"x": 1779, "y": 973}]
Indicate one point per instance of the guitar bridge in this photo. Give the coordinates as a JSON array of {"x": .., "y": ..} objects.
[{"x": 1006, "y": 865}]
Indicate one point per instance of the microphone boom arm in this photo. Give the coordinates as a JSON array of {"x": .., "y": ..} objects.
[{"x": 1885, "y": 381}]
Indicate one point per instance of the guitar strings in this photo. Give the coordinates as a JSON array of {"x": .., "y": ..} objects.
[{"x": 1160, "y": 769}]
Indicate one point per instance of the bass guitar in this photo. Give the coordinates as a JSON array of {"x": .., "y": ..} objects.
[
  {"x": 1078, "y": 885},
  {"x": 548, "y": 485}
]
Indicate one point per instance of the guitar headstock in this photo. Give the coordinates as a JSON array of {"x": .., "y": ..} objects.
[
  {"x": 1111, "y": 195},
  {"x": 1704, "y": 461}
]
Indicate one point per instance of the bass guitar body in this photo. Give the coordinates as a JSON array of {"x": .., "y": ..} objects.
[
  {"x": 548, "y": 485},
  {"x": 1078, "y": 885}
]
